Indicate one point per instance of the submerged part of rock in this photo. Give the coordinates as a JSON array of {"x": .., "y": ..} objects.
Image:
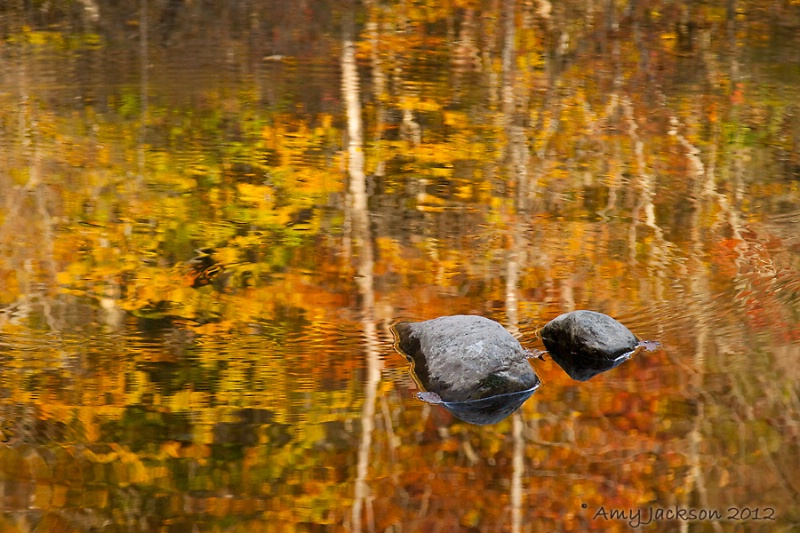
[
  {"x": 486, "y": 410},
  {"x": 476, "y": 369},
  {"x": 586, "y": 343}
]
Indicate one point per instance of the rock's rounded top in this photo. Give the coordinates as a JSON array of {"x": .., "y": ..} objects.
[
  {"x": 464, "y": 358},
  {"x": 594, "y": 334},
  {"x": 585, "y": 343}
]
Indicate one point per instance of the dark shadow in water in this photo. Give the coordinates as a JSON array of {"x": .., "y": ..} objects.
[{"x": 486, "y": 410}]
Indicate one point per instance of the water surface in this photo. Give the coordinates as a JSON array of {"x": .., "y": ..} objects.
[{"x": 339, "y": 168}]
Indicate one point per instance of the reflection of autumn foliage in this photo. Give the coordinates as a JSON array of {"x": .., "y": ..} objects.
[{"x": 615, "y": 158}]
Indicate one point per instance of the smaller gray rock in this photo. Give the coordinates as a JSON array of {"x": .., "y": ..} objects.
[
  {"x": 586, "y": 343},
  {"x": 469, "y": 364}
]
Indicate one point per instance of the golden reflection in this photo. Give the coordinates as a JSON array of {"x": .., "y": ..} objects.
[{"x": 514, "y": 160}]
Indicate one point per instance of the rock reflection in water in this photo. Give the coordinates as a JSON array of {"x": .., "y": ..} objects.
[
  {"x": 586, "y": 343},
  {"x": 468, "y": 364}
]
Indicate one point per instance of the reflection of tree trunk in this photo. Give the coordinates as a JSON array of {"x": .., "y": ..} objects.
[
  {"x": 518, "y": 157},
  {"x": 373, "y": 374},
  {"x": 143, "y": 85},
  {"x": 658, "y": 247},
  {"x": 91, "y": 11},
  {"x": 697, "y": 307},
  {"x": 378, "y": 76},
  {"x": 698, "y": 303},
  {"x": 355, "y": 138},
  {"x": 508, "y": 58},
  {"x": 362, "y": 248},
  {"x": 514, "y": 103},
  {"x": 515, "y": 244},
  {"x": 518, "y": 468},
  {"x": 26, "y": 261}
]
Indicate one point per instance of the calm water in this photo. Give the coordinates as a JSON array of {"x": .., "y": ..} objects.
[{"x": 211, "y": 215}]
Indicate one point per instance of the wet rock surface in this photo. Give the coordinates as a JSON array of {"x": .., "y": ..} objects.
[
  {"x": 469, "y": 364},
  {"x": 474, "y": 368},
  {"x": 586, "y": 343}
]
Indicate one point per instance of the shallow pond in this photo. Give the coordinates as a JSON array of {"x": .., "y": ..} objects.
[{"x": 211, "y": 215}]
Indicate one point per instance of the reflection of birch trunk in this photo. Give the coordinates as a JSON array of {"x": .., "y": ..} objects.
[
  {"x": 658, "y": 248},
  {"x": 515, "y": 244},
  {"x": 379, "y": 84},
  {"x": 512, "y": 323},
  {"x": 514, "y": 98},
  {"x": 91, "y": 11},
  {"x": 519, "y": 159},
  {"x": 699, "y": 303},
  {"x": 355, "y": 138},
  {"x": 378, "y": 76},
  {"x": 17, "y": 199},
  {"x": 373, "y": 376},
  {"x": 508, "y": 58},
  {"x": 518, "y": 468},
  {"x": 143, "y": 85},
  {"x": 362, "y": 247}
]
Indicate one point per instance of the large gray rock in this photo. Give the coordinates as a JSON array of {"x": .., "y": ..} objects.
[
  {"x": 469, "y": 364},
  {"x": 585, "y": 343}
]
